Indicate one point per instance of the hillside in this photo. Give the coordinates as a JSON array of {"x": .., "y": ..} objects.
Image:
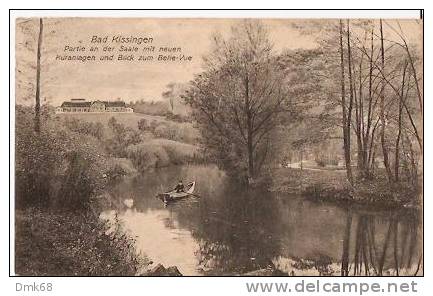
[
  {"x": 128, "y": 119},
  {"x": 158, "y": 126}
]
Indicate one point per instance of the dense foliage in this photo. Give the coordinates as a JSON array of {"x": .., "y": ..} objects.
[
  {"x": 56, "y": 167},
  {"x": 71, "y": 159},
  {"x": 82, "y": 246},
  {"x": 248, "y": 97}
]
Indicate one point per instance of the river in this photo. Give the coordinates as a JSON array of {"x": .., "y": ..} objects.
[{"x": 230, "y": 231}]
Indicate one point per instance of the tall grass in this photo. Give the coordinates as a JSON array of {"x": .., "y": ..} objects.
[{"x": 156, "y": 153}]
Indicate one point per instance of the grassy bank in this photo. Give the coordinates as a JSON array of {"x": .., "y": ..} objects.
[
  {"x": 160, "y": 126},
  {"x": 332, "y": 185},
  {"x": 62, "y": 177},
  {"x": 59, "y": 172},
  {"x": 127, "y": 119},
  {"x": 148, "y": 141},
  {"x": 63, "y": 243}
]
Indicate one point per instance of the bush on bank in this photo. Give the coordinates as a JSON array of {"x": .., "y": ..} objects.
[
  {"x": 56, "y": 167},
  {"x": 57, "y": 173},
  {"x": 59, "y": 243},
  {"x": 156, "y": 153},
  {"x": 332, "y": 185},
  {"x": 60, "y": 172}
]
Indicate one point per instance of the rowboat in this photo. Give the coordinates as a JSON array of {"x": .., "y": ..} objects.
[{"x": 172, "y": 195}]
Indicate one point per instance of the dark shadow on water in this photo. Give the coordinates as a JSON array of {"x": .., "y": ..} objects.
[
  {"x": 233, "y": 230},
  {"x": 382, "y": 245},
  {"x": 236, "y": 233}
]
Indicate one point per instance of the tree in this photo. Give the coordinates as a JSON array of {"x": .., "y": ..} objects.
[
  {"x": 378, "y": 94},
  {"x": 31, "y": 62},
  {"x": 122, "y": 137},
  {"x": 382, "y": 109},
  {"x": 346, "y": 114},
  {"x": 174, "y": 96},
  {"x": 27, "y": 28},
  {"x": 395, "y": 90},
  {"x": 142, "y": 124},
  {"x": 169, "y": 94},
  {"x": 400, "y": 125},
  {"x": 237, "y": 100},
  {"x": 38, "y": 79}
]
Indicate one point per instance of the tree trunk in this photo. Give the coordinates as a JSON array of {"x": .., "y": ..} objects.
[
  {"x": 250, "y": 146},
  {"x": 360, "y": 124},
  {"x": 345, "y": 121},
  {"x": 385, "y": 247},
  {"x": 415, "y": 129},
  {"x": 346, "y": 246},
  {"x": 38, "y": 80},
  {"x": 302, "y": 157},
  {"x": 355, "y": 100},
  {"x": 369, "y": 138},
  {"x": 382, "y": 112},
  {"x": 250, "y": 156},
  {"x": 396, "y": 263},
  {"x": 420, "y": 97},
  {"x": 400, "y": 121},
  {"x": 351, "y": 93}
]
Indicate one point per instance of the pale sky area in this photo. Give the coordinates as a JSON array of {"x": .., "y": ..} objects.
[{"x": 63, "y": 80}]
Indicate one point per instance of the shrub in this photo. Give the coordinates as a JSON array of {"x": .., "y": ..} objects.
[
  {"x": 152, "y": 108},
  {"x": 120, "y": 166},
  {"x": 116, "y": 172},
  {"x": 73, "y": 244},
  {"x": 95, "y": 129},
  {"x": 167, "y": 132},
  {"x": 36, "y": 160},
  {"x": 65, "y": 168},
  {"x": 153, "y": 125},
  {"x": 121, "y": 139},
  {"x": 188, "y": 134},
  {"x": 179, "y": 153},
  {"x": 142, "y": 124},
  {"x": 56, "y": 167},
  {"x": 177, "y": 117},
  {"x": 182, "y": 132},
  {"x": 160, "y": 153},
  {"x": 333, "y": 161},
  {"x": 145, "y": 156}
]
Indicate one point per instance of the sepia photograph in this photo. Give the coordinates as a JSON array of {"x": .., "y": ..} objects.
[{"x": 218, "y": 146}]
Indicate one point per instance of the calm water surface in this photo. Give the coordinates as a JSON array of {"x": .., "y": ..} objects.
[{"x": 233, "y": 231}]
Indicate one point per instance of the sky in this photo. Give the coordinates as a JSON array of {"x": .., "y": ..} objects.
[{"x": 130, "y": 81}]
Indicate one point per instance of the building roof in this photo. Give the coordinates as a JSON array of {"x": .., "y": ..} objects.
[{"x": 77, "y": 103}]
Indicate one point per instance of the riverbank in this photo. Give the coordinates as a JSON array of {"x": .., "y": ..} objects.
[
  {"x": 332, "y": 185},
  {"x": 71, "y": 244},
  {"x": 66, "y": 244}
]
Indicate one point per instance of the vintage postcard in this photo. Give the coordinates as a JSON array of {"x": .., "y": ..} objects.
[{"x": 218, "y": 147}]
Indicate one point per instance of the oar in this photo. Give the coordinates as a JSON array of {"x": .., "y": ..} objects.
[{"x": 195, "y": 195}]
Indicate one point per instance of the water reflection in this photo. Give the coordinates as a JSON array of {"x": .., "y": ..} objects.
[
  {"x": 233, "y": 231},
  {"x": 239, "y": 234},
  {"x": 382, "y": 245}
]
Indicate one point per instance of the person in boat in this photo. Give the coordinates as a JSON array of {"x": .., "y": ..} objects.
[{"x": 179, "y": 187}]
